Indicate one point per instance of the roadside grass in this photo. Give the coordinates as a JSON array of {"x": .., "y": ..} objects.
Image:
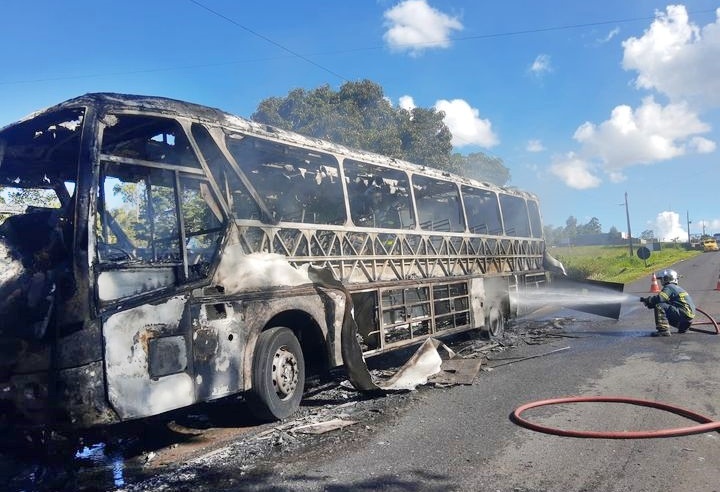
[{"x": 614, "y": 264}]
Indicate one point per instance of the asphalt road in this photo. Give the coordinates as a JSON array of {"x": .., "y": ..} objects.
[{"x": 462, "y": 438}]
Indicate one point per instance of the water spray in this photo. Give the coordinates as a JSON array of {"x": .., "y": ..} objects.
[
  {"x": 590, "y": 296},
  {"x": 552, "y": 296},
  {"x": 603, "y": 301}
]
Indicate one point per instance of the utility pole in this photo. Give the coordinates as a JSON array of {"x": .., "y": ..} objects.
[
  {"x": 627, "y": 214},
  {"x": 687, "y": 213}
]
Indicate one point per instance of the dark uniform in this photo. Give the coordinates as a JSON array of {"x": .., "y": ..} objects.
[{"x": 673, "y": 305}]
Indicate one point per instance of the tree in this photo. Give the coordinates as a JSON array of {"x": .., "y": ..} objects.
[
  {"x": 30, "y": 196},
  {"x": 553, "y": 235},
  {"x": 19, "y": 198},
  {"x": 571, "y": 228},
  {"x": 483, "y": 167},
  {"x": 360, "y": 116},
  {"x": 425, "y": 138},
  {"x": 592, "y": 227},
  {"x": 648, "y": 235}
]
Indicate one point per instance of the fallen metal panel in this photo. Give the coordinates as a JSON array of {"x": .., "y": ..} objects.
[
  {"x": 457, "y": 371},
  {"x": 424, "y": 363}
]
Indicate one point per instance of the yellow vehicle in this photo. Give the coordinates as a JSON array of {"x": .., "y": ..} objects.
[{"x": 710, "y": 244}]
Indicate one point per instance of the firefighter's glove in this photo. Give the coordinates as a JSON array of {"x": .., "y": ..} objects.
[{"x": 645, "y": 301}]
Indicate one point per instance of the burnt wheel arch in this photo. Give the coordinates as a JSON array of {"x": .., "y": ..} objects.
[{"x": 309, "y": 334}]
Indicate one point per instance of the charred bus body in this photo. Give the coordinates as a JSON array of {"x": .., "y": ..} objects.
[{"x": 174, "y": 259}]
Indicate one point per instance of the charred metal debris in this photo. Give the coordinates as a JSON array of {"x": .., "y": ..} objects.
[{"x": 334, "y": 411}]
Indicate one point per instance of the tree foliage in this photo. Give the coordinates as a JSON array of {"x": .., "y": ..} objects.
[
  {"x": 359, "y": 115},
  {"x": 592, "y": 227},
  {"x": 29, "y": 196},
  {"x": 20, "y": 198},
  {"x": 571, "y": 227},
  {"x": 484, "y": 168},
  {"x": 554, "y": 235},
  {"x": 565, "y": 235}
]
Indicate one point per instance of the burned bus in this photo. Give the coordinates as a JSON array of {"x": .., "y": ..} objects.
[{"x": 169, "y": 253}]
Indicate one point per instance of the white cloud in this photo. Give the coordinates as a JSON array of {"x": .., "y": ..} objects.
[
  {"x": 609, "y": 36},
  {"x": 667, "y": 227},
  {"x": 414, "y": 26},
  {"x": 711, "y": 226},
  {"x": 677, "y": 58},
  {"x": 575, "y": 172},
  {"x": 541, "y": 65},
  {"x": 616, "y": 176},
  {"x": 465, "y": 124},
  {"x": 648, "y": 134},
  {"x": 534, "y": 145},
  {"x": 407, "y": 102},
  {"x": 702, "y": 145}
]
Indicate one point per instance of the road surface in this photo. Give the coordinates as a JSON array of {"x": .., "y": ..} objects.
[{"x": 462, "y": 437}]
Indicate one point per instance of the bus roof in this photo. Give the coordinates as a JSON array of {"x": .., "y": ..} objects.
[{"x": 106, "y": 101}]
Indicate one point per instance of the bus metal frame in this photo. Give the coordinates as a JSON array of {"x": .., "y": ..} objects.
[{"x": 131, "y": 335}]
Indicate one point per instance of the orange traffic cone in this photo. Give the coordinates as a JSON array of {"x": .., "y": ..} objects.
[
  {"x": 654, "y": 287},
  {"x": 717, "y": 286}
]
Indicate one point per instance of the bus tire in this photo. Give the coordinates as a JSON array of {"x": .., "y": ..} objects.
[
  {"x": 278, "y": 375},
  {"x": 495, "y": 323}
]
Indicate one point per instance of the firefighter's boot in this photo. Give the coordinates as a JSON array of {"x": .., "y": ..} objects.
[{"x": 661, "y": 323}]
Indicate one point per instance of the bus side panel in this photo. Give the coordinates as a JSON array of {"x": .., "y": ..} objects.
[
  {"x": 477, "y": 302},
  {"x": 335, "y": 315},
  {"x": 497, "y": 294},
  {"x": 313, "y": 316},
  {"x": 134, "y": 340},
  {"x": 218, "y": 343}
]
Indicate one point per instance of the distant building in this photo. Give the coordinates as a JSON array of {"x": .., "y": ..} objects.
[{"x": 601, "y": 239}]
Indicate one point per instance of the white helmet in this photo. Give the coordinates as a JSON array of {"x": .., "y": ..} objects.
[{"x": 668, "y": 277}]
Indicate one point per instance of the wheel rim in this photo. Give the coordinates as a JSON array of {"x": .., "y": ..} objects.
[
  {"x": 495, "y": 323},
  {"x": 284, "y": 373}
]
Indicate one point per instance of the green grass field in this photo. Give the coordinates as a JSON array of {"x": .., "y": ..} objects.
[{"x": 614, "y": 264}]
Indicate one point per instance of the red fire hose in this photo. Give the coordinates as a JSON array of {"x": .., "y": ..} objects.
[
  {"x": 707, "y": 424},
  {"x": 710, "y": 322}
]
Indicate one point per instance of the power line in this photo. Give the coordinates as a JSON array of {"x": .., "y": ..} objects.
[
  {"x": 567, "y": 27},
  {"x": 265, "y": 38},
  {"x": 334, "y": 52}
]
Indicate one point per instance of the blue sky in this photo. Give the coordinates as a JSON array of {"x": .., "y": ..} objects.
[{"x": 583, "y": 100}]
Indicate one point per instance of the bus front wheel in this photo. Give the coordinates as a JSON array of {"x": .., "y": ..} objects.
[{"x": 278, "y": 375}]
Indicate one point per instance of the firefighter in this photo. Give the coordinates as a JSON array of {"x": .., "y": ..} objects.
[{"x": 673, "y": 305}]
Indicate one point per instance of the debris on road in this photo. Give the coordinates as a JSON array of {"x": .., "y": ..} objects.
[
  {"x": 520, "y": 359},
  {"x": 457, "y": 372},
  {"x": 215, "y": 435},
  {"x": 323, "y": 427}
]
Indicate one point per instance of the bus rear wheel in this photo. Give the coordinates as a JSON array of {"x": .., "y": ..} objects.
[
  {"x": 278, "y": 375},
  {"x": 495, "y": 323}
]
